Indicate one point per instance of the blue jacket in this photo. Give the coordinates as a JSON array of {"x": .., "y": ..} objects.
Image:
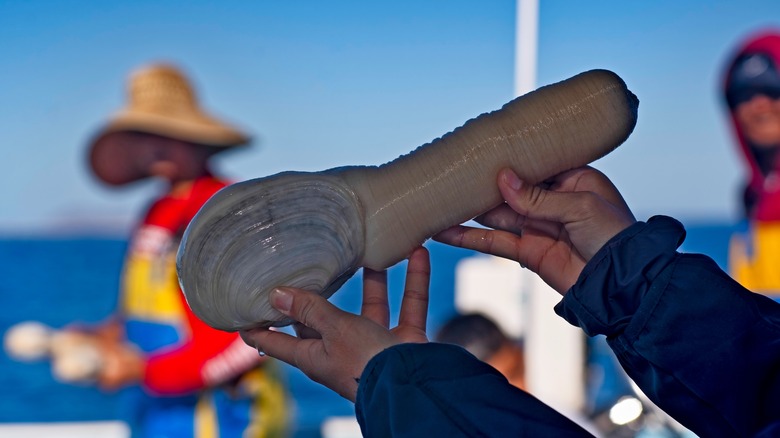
[{"x": 702, "y": 347}]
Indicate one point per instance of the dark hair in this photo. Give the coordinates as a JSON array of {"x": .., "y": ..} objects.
[{"x": 474, "y": 332}]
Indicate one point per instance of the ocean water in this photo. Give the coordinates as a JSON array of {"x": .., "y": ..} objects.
[{"x": 66, "y": 280}]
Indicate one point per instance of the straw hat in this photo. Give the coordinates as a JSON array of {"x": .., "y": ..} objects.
[{"x": 161, "y": 102}]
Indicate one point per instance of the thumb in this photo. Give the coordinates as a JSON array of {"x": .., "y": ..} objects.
[
  {"x": 308, "y": 308},
  {"x": 535, "y": 202}
]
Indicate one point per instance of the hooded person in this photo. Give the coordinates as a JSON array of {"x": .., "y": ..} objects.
[
  {"x": 752, "y": 90},
  {"x": 752, "y": 97},
  {"x": 184, "y": 378}
]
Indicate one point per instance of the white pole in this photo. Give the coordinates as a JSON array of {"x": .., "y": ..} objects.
[
  {"x": 554, "y": 349},
  {"x": 517, "y": 299},
  {"x": 526, "y": 31}
]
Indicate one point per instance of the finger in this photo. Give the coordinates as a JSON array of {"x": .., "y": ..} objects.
[
  {"x": 307, "y": 308},
  {"x": 503, "y": 218},
  {"x": 497, "y": 243},
  {"x": 275, "y": 344},
  {"x": 414, "y": 305},
  {"x": 304, "y": 332},
  {"x": 591, "y": 179},
  {"x": 539, "y": 203},
  {"x": 375, "y": 305},
  {"x": 528, "y": 250}
]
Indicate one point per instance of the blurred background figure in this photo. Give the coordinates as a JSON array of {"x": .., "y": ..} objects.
[
  {"x": 481, "y": 337},
  {"x": 184, "y": 378},
  {"x": 752, "y": 97}
]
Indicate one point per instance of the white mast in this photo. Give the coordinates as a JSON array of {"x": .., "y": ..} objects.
[
  {"x": 554, "y": 349},
  {"x": 526, "y": 41}
]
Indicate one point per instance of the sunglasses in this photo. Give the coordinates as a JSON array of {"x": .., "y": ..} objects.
[{"x": 745, "y": 94}]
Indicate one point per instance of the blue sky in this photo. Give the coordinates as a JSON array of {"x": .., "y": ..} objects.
[{"x": 325, "y": 84}]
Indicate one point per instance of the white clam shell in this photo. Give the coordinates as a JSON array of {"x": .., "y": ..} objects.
[{"x": 306, "y": 228}]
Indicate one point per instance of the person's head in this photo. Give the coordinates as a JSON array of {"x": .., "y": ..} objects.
[
  {"x": 752, "y": 96},
  {"x": 161, "y": 133},
  {"x": 143, "y": 155},
  {"x": 481, "y": 337}
]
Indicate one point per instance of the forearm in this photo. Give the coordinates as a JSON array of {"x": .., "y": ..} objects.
[
  {"x": 441, "y": 390},
  {"x": 702, "y": 347}
]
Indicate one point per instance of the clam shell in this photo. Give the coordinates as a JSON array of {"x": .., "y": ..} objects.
[{"x": 294, "y": 229}]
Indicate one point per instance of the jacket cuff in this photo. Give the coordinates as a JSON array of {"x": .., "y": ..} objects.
[
  {"x": 611, "y": 286},
  {"x": 404, "y": 363}
]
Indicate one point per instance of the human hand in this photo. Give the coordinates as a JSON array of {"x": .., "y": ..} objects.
[
  {"x": 554, "y": 229},
  {"x": 121, "y": 364},
  {"x": 110, "y": 330},
  {"x": 333, "y": 346}
]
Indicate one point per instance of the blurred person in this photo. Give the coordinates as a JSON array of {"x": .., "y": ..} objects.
[
  {"x": 187, "y": 379},
  {"x": 752, "y": 97},
  {"x": 483, "y": 338}
]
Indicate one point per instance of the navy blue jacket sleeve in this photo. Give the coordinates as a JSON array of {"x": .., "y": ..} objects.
[
  {"x": 439, "y": 390},
  {"x": 702, "y": 347}
]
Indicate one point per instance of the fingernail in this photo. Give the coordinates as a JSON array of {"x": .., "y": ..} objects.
[
  {"x": 511, "y": 179},
  {"x": 281, "y": 300}
]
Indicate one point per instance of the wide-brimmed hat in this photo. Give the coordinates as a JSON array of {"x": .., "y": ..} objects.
[{"x": 162, "y": 102}]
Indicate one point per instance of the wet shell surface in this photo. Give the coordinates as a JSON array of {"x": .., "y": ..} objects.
[
  {"x": 263, "y": 239},
  {"x": 314, "y": 230}
]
